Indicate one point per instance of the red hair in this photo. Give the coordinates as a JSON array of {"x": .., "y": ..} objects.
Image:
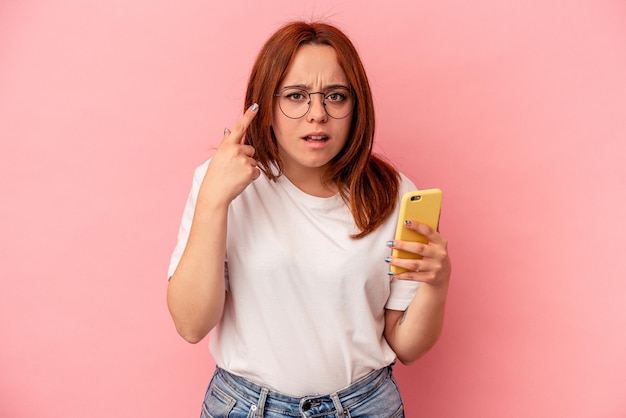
[{"x": 367, "y": 183}]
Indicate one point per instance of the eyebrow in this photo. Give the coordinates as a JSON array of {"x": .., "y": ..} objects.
[{"x": 308, "y": 87}]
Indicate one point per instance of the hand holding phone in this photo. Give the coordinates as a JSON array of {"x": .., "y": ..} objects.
[{"x": 423, "y": 206}]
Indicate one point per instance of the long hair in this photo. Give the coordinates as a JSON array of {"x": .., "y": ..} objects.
[{"x": 367, "y": 183}]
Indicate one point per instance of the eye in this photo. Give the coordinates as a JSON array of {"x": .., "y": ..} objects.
[
  {"x": 336, "y": 96},
  {"x": 295, "y": 96}
]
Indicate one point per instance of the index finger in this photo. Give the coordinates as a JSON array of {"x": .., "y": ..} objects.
[
  {"x": 236, "y": 136},
  {"x": 427, "y": 232}
]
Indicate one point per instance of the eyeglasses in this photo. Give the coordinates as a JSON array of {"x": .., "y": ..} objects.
[{"x": 295, "y": 103}]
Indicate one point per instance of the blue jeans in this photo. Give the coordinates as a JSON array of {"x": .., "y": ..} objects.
[{"x": 376, "y": 395}]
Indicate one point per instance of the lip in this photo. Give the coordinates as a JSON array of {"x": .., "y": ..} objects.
[{"x": 319, "y": 136}]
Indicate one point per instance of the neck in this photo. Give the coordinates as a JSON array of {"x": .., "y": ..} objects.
[{"x": 310, "y": 182}]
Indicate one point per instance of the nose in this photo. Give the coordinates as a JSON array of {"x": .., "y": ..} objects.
[{"x": 317, "y": 111}]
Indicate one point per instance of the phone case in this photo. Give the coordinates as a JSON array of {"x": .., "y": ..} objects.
[{"x": 423, "y": 206}]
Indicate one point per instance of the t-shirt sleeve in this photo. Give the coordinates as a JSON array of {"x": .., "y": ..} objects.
[
  {"x": 185, "y": 224},
  {"x": 401, "y": 294}
]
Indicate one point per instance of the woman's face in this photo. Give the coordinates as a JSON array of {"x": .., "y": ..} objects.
[{"x": 306, "y": 145}]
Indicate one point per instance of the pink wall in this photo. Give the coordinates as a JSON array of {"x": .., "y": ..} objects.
[{"x": 516, "y": 109}]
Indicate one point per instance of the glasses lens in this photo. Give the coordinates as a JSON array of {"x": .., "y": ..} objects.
[
  {"x": 295, "y": 103},
  {"x": 338, "y": 103}
]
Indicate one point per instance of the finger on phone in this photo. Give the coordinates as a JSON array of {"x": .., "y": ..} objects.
[
  {"x": 238, "y": 133},
  {"x": 432, "y": 235}
]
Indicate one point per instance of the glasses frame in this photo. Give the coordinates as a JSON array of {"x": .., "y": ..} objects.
[{"x": 324, "y": 96}]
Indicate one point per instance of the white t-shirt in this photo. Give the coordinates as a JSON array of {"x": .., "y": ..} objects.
[{"x": 305, "y": 304}]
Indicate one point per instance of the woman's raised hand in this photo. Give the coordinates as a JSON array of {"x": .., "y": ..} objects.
[
  {"x": 233, "y": 166},
  {"x": 434, "y": 266}
]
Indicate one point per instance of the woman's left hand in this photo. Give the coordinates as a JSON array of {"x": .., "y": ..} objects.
[{"x": 434, "y": 267}]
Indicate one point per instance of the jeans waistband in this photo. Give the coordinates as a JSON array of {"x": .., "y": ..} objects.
[{"x": 266, "y": 398}]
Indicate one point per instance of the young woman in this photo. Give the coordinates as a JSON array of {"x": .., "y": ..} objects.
[{"x": 283, "y": 252}]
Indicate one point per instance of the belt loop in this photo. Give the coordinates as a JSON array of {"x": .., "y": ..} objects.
[
  {"x": 260, "y": 410},
  {"x": 338, "y": 407}
]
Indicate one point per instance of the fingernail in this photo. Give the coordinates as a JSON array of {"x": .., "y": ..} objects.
[
  {"x": 254, "y": 107},
  {"x": 389, "y": 243},
  {"x": 407, "y": 222},
  {"x": 226, "y": 131},
  {"x": 388, "y": 259},
  {"x": 389, "y": 273}
]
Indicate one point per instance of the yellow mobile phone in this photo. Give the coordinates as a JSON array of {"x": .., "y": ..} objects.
[{"x": 423, "y": 206}]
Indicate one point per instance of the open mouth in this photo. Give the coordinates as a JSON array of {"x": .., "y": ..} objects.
[{"x": 316, "y": 138}]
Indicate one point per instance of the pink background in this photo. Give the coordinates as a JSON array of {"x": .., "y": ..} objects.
[{"x": 517, "y": 110}]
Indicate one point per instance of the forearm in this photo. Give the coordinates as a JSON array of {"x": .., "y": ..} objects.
[
  {"x": 412, "y": 333},
  {"x": 196, "y": 291}
]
